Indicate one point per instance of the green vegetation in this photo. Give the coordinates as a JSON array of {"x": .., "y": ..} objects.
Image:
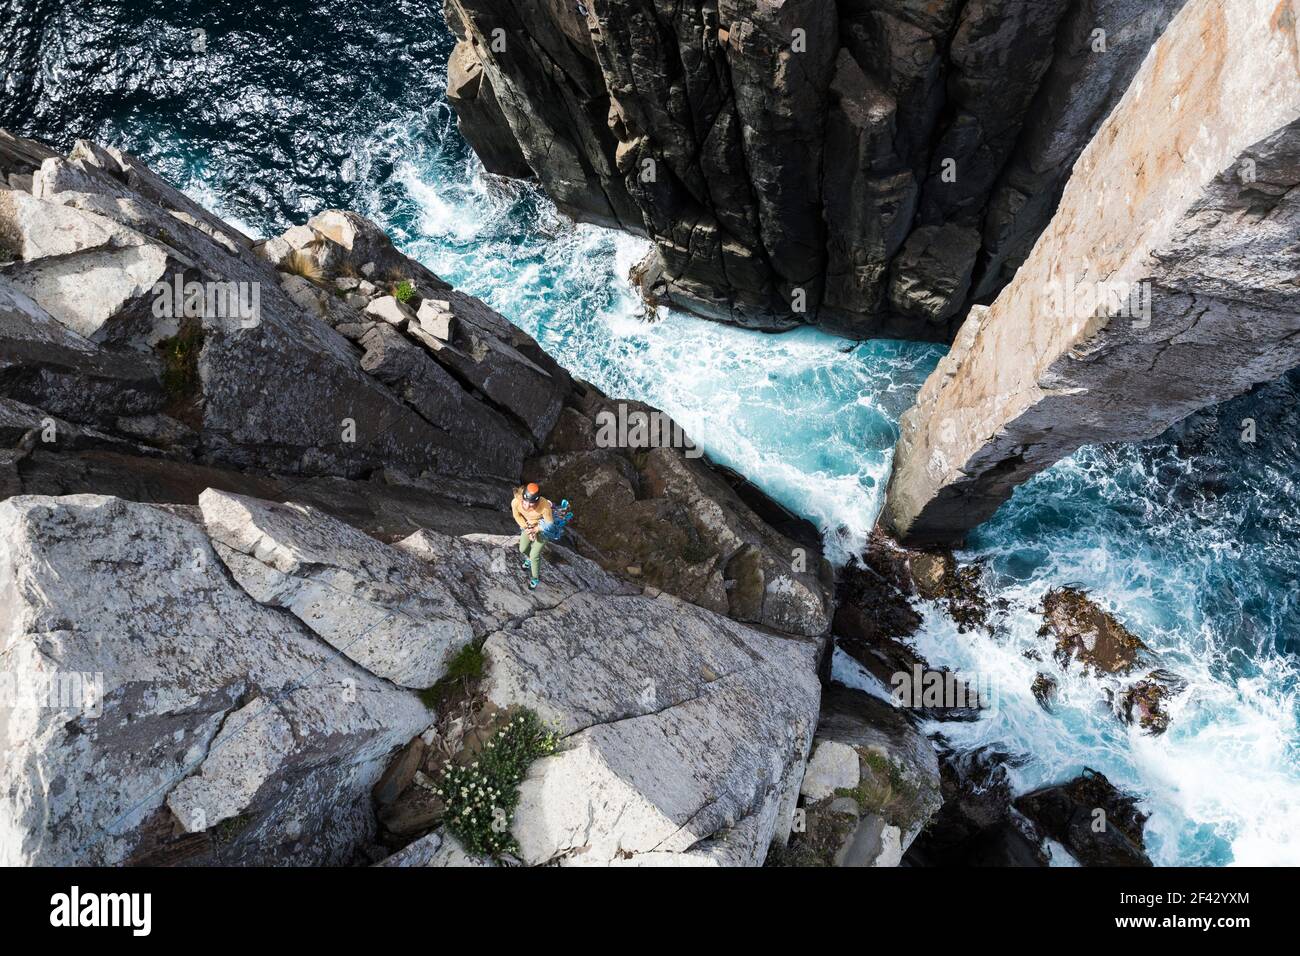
[
  {"x": 696, "y": 552},
  {"x": 180, "y": 363},
  {"x": 467, "y": 665},
  {"x": 886, "y": 787},
  {"x": 404, "y": 291},
  {"x": 481, "y": 797},
  {"x": 228, "y": 829}
]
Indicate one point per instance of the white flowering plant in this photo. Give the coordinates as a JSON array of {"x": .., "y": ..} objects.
[{"x": 481, "y": 796}]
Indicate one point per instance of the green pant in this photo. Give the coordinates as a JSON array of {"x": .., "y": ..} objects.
[{"x": 532, "y": 550}]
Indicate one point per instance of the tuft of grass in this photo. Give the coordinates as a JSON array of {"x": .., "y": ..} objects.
[
  {"x": 299, "y": 263},
  {"x": 228, "y": 829},
  {"x": 481, "y": 797},
  {"x": 468, "y": 665},
  {"x": 404, "y": 290}
]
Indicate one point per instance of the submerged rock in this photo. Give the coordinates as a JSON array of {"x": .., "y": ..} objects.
[
  {"x": 1044, "y": 689},
  {"x": 1084, "y": 632},
  {"x": 1146, "y": 701}
]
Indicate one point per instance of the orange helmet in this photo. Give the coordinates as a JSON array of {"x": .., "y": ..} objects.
[{"x": 532, "y": 492}]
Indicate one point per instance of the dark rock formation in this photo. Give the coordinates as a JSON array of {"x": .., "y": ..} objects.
[
  {"x": 874, "y": 616},
  {"x": 871, "y": 166},
  {"x": 667, "y": 519},
  {"x": 977, "y": 825},
  {"x": 1083, "y": 631},
  {"x": 1097, "y": 823}
]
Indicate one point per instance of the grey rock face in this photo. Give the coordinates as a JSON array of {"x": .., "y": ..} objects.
[
  {"x": 245, "y": 734},
  {"x": 479, "y": 115},
  {"x": 274, "y": 389},
  {"x": 363, "y": 385},
  {"x": 376, "y": 605},
  {"x": 871, "y": 166},
  {"x": 685, "y": 733},
  {"x": 158, "y": 734},
  {"x": 1162, "y": 285}
]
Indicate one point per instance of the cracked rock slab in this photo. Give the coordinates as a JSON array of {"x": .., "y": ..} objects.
[
  {"x": 379, "y": 606},
  {"x": 681, "y": 727},
  {"x": 160, "y": 659}
]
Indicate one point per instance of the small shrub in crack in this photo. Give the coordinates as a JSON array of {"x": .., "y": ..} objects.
[
  {"x": 481, "y": 797},
  {"x": 404, "y": 291}
]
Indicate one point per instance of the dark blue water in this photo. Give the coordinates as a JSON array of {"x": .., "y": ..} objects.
[{"x": 1191, "y": 539}]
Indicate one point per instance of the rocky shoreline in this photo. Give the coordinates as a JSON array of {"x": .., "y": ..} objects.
[{"x": 269, "y": 551}]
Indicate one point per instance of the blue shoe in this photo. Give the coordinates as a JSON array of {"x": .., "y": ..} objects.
[
  {"x": 527, "y": 565},
  {"x": 532, "y": 585}
]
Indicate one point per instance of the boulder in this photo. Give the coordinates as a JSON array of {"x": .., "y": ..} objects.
[
  {"x": 1097, "y": 823},
  {"x": 834, "y": 766},
  {"x": 684, "y": 734},
  {"x": 232, "y": 736},
  {"x": 386, "y": 308},
  {"x": 1083, "y": 631}
]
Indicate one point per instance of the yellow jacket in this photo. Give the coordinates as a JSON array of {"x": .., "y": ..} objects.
[{"x": 530, "y": 519}]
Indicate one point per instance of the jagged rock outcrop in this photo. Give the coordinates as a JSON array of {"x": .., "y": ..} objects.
[
  {"x": 330, "y": 369},
  {"x": 664, "y": 515},
  {"x": 978, "y": 824},
  {"x": 164, "y": 716},
  {"x": 99, "y": 239},
  {"x": 267, "y": 616},
  {"x": 871, "y": 786},
  {"x": 1166, "y": 282},
  {"x": 1098, "y": 823},
  {"x": 1083, "y": 632},
  {"x": 872, "y": 166}
]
